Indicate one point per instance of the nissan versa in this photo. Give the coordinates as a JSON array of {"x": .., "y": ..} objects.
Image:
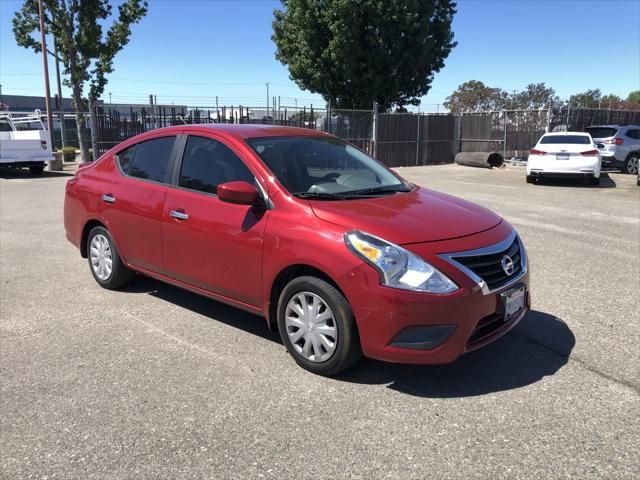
[{"x": 340, "y": 254}]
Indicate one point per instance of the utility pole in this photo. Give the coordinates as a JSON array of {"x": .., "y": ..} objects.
[
  {"x": 267, "y": 84},
  {"x": 63, "y": 133},
  {"x": 45, "y": 66},
  {"x": 109, "y": 98}
]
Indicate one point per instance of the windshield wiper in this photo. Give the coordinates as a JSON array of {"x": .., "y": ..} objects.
[
  {"x": 382, "y": 189},
  {"x": 320, "y": 195}
]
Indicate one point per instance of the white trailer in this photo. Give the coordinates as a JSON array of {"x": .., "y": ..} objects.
[{"x": 24, "y": 142}]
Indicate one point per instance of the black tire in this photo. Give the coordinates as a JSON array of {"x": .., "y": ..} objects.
[
  {"x": 632, "y": 164},
  {"x": 120, "y": 274},
  {"x": 347, "y": 351},
  {"x": 531, "y": 179},
  {"x": 594, "y": 181},
  {"x": 36, "y": 170}
]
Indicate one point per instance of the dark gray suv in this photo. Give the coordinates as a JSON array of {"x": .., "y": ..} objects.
[{"x": 619, "y": 145}]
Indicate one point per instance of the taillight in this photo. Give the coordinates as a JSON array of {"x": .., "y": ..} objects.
[
  {"x": 614, "y": 141},
  {"x": 537, "y": 152},
  {"x": 589, "y": 153}
]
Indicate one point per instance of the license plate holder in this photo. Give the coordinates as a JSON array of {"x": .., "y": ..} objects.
[
  {"x": 562, "y": 156},
  {"x": 513, "y": 301}
]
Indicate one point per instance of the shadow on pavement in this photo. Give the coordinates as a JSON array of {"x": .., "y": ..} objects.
[
  {"x": 218, "y": 311},
  {"x": 605, "y": 182},
  {"x": 538, "y": 347}
]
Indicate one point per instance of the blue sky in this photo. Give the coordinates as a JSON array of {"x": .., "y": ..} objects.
[{"x": 189, "y": 51}]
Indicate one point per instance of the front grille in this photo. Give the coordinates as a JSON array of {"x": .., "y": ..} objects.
[
  {"x": 486, "y": 327},
  {"x": 488, "y": 267}
]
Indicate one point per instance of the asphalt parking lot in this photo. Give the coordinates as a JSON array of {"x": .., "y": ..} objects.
[{"x": 156, "y": 382}]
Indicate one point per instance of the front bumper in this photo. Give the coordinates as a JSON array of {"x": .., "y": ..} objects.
[
  {"x": 394, "y": 324},
  {"x": 23, "y": 164}
]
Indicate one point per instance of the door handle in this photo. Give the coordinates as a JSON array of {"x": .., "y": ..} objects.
[
  {"x": 178, "y": 214},
  {"x": 107, "y": 197}
]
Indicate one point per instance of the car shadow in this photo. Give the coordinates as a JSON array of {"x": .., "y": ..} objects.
[
  {"x": 11, "y": 173},
  {"x": 537, "y": 347},
  {"x": 218, "y": 311},
  {"x": 605, "y": 182}
]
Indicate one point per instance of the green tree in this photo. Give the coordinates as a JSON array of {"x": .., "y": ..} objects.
[
  {"x": 587, "y": 99},
  {"x": 535, "y": 96},
  {"x": 612, "y": 101},
  {"x": 86, "y": 52},
  {"x": 475, "y": 96},
  {"x": 354, "y": 53},
  {"x": 634, "y": 96},
  {"x": 304, "y": 117}
]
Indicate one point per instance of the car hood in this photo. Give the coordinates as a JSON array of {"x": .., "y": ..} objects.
[{"x": 421, "y": 215}]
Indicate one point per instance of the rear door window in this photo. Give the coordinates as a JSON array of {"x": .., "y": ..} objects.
[
  {"x": 148, "y": 160},
  {"x": 601, "y": 132},
  {"x": 634, "y": 133},
  {"x": 574, "y": 139}
]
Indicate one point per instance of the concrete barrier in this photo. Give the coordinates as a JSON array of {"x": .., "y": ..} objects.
[{"x": 56, "y": 163}]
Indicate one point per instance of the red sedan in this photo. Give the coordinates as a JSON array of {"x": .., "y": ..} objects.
[{"x": 340, "y": 254}]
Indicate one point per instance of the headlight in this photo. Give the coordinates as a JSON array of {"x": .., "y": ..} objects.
[{"x": 398, "y": 267}]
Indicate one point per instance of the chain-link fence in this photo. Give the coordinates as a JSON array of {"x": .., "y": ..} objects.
[{"x": 397, "y": 139}]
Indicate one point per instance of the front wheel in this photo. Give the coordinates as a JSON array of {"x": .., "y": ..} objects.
[
  {"x": 594, "y": 181},
  {"x": 531, "y": 179},
  {"x": 104, "y": 260},
  {"x": 317, "y": 326},
  {"x": 631, "y": 165}
]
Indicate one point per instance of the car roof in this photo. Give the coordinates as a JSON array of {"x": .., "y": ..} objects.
[
  {"x": 614, "y": 125},
  {"x": 565, "y": 133},
  {"x": 247, "y": 130}
]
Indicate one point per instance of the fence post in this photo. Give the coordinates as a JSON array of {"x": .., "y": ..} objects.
[
  {"x": 94, "y": 130},
  {"x": 375, "y": 130},
  {"x": 418, "y": 140},
  {"x": 504, "y": 139},
  {"x": 548, "y": 129},
  {"x": 457, "y": 147}
]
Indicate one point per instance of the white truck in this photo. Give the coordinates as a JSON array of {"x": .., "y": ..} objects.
[{"x": 24, "y": 142}]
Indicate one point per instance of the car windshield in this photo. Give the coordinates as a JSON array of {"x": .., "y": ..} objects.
[
  {"x": 601, "y": 132},
  {"x": 556, "y": 139},
  {"x": 325, "y": 168}
]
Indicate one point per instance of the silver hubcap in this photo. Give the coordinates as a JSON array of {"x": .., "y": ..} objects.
[
  {"x": 101, "y": 257},
  {"x": 311, "y": 327},
  {"x": 632, "y": 166}
]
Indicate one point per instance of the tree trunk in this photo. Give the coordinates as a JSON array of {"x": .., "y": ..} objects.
[{"x": 80, "y": 125}]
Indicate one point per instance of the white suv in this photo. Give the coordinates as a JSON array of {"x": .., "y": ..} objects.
[{"x": 619, "y": 145}]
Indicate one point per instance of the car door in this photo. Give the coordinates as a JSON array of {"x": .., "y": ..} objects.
[
  {"x": 207, "y": 243},
  {"x": 133, "y": 202}
]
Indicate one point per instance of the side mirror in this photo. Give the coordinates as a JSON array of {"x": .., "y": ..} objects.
[{"x": 240, "y": 193}]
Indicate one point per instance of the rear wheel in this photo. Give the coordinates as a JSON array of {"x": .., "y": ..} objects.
[
  {"x": 631, "y": 165},
  {"x": 594, "y": 181},
  {"x": 531, "y": 179},
  {"x": 317, "y": 326},
  {"x": 36, "y": 170},
  {"x": 104, "y": 260}
]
